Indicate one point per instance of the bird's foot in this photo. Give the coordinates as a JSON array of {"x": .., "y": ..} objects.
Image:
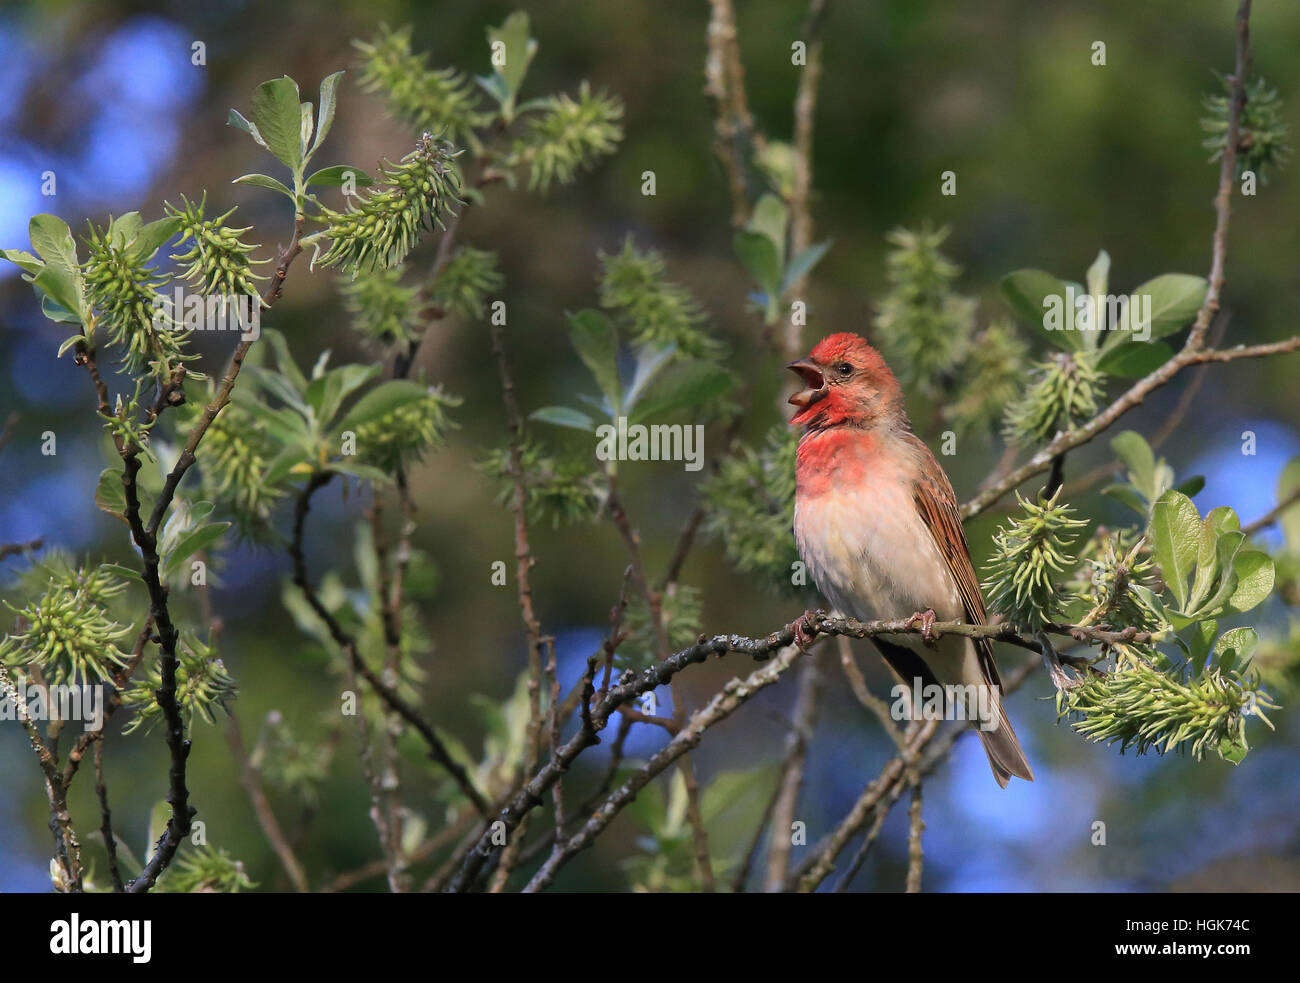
[
  {"x": 926, "y": 619},
  {"x": 804, "y": 634}
]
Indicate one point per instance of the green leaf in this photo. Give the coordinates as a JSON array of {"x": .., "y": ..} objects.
[
  {"x": 685, "y": 384},
  {"x": 1131, "y": 448},
  {"x": 154, "y": 235},
  {"x": 1175, "y": 536},
  {"x": 308, "y": 122},
  {"x": 264, "y": 181},
  {"x": 278, "y": 116},
  {"x": 52, "y": 240},
  {"x": 650, "y": 359},
  {"x": 236, "y": 119},
  {"x": 326, "y": 394},
  {"x": 110, "y": 496},
  {"x": 124, "y": 229},
  {"x": 1097, "y": 278},
  {"x": 1200, "y": 638},
  {"x": 60, "y": 277},
  {"x": 1126, "y": 495},
  {"x": 1255, "y": 576},
  {"x": 126, "y": 572},
  {"x": 1175, "y": 299},
  {"x": 1233, "y": 750},
  {"x": 328, "y": 103},
  {"x": 61, "y": 286},
  {"x": 283, "y": 360},
  {"x": 1134, "y": 359},
  {"x": 596, "y": 343},
  {"x": 58, "y": 313},
  {"x": 336, "y": 175},
  {"x": 1099, "y": 274},
  {"x": 563, "y": 416},
  {"x": 1026, "y": 290},
  {"x": 803, "y": 263},
  {"x": 191, "y": 542},
  {"x": 159, "y": 816},
  {"x": 285, "y": 426},
  {"x": 1192, "y": 486},
  {"x": 366, "y": 472},
  {"x": 1217, "y": 522},
  {"x": 1235, "y": 647},
  {"x": 495, "y": 86},
  {"x": 68, "y": 343},
  {"x": 381, "y": 401},
  {"x": 760, "y": 258},
  {"x": 519, "y": 50},
  {"x": 771, "y": 218},
  {"x": 724, "y": 790},
  {"x": 284, "y": 462},
  {"x": 1152, "y": 600},
  {"x": 185, "y": 516},
  {"x": 1225, "y": 551},
  {"x": 1287, "y": 485},
  {"x": 277, "y": 384},
  {"x": 23, "y": 259}
]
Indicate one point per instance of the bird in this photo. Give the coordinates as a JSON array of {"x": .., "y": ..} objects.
[{"x": 878, "y": 529}]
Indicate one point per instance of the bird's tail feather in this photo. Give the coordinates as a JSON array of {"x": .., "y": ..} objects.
[{"x": 1006, "y": 757}]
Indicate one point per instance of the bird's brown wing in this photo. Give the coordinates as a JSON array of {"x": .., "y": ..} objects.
[{"x": 937, "y": 505}]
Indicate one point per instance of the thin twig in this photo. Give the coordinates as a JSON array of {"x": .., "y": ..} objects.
[
  {"x": 437, "y": 750},
  {"x": 524, "y": 562},
  {"x": 736, "y": 138},
  {"x": 106, "y": 817},
  {"x": 14, "y": 549},
  {"x": 915, "y": 855},
  {"x": 654, "y": 602},
  {"x": 1227, "y": 176},
  {"x": 732, "y": 696},
  {"x": 1272, "y": 515},
  {"x": 251, "y": 779},
  {"x": 882, "y": 792},
  {"x": 792, "y": 770},
  {"x": 805, "y": 111}
]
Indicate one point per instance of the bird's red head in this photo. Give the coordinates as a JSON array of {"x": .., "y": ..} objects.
[{"x": 847, "y": 383}]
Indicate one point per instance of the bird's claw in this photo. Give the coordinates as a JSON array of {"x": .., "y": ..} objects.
[
  {"x": 804, "y": 634},
  {"x": 926, "y": 619}
]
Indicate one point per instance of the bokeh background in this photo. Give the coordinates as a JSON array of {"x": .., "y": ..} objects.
[{"x": 1055, "y": 159}]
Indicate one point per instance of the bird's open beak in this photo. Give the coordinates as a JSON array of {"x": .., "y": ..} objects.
[{"x": 808, "y": 371}]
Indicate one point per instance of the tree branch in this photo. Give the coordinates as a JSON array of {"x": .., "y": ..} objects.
[
  {"x": 1227, "y": 177},
  {"x": 1067, "y": 440}
]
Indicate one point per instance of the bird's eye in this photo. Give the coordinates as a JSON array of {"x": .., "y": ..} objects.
[{"x": 844, "y": 368}]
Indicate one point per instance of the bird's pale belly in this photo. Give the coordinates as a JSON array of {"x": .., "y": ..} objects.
[{"x": 872, "y": 556}]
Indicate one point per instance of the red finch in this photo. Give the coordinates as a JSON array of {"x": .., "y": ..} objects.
[{"x": 878, "y": 527}]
